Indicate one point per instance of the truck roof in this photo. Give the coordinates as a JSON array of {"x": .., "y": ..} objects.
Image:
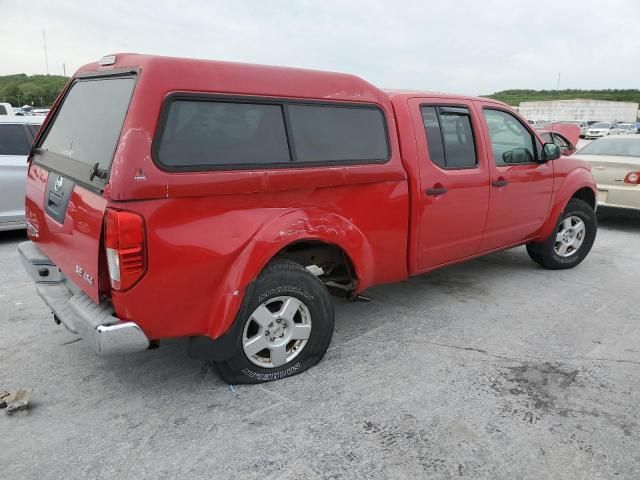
[
  {"x": 172, "y": 73},
  {"x": 399, "y": 94}
]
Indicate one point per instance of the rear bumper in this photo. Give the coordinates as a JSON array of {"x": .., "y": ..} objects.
[
  {"x": 619, "y": 196},
  {"x": 97, "y": 324}
]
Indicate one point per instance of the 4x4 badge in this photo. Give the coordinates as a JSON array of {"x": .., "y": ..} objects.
[{"x": 58, "y": 184}]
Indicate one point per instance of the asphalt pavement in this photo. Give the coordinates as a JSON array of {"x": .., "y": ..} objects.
[{"x": 492, "y": 369}]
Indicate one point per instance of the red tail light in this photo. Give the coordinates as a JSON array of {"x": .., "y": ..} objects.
[
  {"x": 124, "y": 240},
  {"x": 633, "y": 178}
]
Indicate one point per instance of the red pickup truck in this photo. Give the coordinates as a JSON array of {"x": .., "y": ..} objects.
[{"x": 226, "y": 202}]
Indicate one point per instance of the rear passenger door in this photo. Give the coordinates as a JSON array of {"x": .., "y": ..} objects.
[
  {"x": 14, "y": 148},
  {"x": 521, "y": 186},
  {"x": 454, "y": 180}
]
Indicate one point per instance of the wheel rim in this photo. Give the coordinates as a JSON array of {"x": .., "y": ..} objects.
[
  {"x": 276, "y": 332},
  {"x": 570, "y": 236}
]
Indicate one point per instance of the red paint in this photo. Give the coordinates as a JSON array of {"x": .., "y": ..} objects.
[
  {"x": 209, "y": 234},
  {"x": 568, "y": 130}
]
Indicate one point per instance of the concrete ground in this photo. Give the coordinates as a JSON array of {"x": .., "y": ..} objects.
[{"x": 491, "y": 369}]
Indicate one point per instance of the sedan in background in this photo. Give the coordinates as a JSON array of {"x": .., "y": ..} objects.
[
  {"x": 627, "y": 128},
  {"x": 615, "y": 165},
  {"x": 16, "y": 136},
  {"x": 602, "y": 129}
]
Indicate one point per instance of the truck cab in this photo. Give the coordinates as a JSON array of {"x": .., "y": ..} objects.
[{"x": 227, "y": 202}]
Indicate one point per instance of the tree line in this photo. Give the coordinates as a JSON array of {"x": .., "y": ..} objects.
[
  {"x": 35, "y": 90},
  {"x": 514, "y": 97},
  {"x": 42, "y": 90}
]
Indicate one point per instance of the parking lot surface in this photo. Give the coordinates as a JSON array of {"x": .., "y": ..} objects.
[{"x": 490, "y": 369}]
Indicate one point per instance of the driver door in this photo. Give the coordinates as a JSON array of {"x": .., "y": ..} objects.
[{"x": 521, "y": 186}]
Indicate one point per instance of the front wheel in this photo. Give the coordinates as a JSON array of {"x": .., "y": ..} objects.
[
  {"x": 287, "y": 326},
  {"x": 571, "y": 241}
]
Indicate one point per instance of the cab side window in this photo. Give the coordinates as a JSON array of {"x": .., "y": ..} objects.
[
  {"x": 449, "y": 136},
  {"x": 511, "y": 141}
]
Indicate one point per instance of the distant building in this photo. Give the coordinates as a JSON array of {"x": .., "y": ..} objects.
[{"x": 580, "y": 109}]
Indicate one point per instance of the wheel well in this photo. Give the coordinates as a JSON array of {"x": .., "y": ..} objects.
[
  {"x": 586, "y": 195},
  {"x": 328, "y": 262}
]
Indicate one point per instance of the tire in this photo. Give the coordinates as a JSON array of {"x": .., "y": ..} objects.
[
  {"x": 286, "y": 304},
  {"x": 566, "y": 247}
]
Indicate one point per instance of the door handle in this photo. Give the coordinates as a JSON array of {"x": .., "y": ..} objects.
[
  {"x": 501, "y": 182},
  {"x": 437, "y": 191}
]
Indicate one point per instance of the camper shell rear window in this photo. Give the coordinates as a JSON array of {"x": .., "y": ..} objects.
[{"x": 86, "y": 128}]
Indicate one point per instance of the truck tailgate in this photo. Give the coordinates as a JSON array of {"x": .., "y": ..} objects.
[{"x": 65, "y": 220}]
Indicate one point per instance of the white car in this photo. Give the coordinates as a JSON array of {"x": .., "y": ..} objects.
[
  {"x": 627, "y": 128},
  {"x": 537, "y": 123},
  {"x": 602, "y": 129},
  {"x": 16, "y": 136}
]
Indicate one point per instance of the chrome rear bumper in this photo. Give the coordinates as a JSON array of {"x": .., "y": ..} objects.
[{"x": 95, "y": 323}]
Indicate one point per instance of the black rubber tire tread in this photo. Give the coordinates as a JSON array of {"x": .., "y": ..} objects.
[
  {"x": 283, "y": 277},
  {"x": 543, "y": 253}
]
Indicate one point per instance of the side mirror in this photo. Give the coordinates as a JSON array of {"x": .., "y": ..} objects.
[{"x": 550, "y": 151}]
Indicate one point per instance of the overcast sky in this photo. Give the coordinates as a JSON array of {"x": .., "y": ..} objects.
[{"x": 463, "y": 46}]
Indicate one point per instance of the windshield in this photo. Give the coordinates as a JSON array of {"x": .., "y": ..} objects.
[
  {"x": 621, "y": 147},
  {"x": 601, "y": 125},
  {"x": 87, "y": 126}
]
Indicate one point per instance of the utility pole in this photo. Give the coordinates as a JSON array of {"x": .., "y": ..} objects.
[
  {"x": 555, "y": 104},
  {"x": 46, "y": 59},
  {"x": 64, "y": 69}
]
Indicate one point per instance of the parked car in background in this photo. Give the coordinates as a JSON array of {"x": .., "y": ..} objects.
[
  {"x": 6, "y": 110},
  {"x": 615, "y": 165},
  {"x": 537, "y": 123},
  {"x": 226, "y": 202},
  {"x": 627, "y": 128},
  {"x": 565, "y": 135},
  {"x": 602, "y": 129},
  {"x": 16, "y": 137}
]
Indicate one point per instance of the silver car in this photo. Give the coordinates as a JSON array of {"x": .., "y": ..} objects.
[
  {"x": 16, "y": 137},
  {"x": 627, "y": 128},
  {"x": 602, "y": 129}
]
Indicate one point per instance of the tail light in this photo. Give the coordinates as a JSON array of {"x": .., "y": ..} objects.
[
  {"x": 124, "y": 240},
  {"x": 633, "y": 178}
]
